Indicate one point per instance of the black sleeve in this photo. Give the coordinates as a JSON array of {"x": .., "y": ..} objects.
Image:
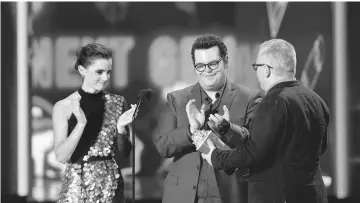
[{"x": 267, "y": 127}]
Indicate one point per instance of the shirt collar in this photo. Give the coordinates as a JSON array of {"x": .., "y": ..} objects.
[{"x": 204, "y": 95}]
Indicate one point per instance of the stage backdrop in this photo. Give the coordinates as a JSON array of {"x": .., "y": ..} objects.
[{"x": 151, "y": 43}]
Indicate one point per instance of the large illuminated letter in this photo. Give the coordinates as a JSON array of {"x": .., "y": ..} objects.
[
  {"x": 163, "y": 62},
  {"x": 231, "y": 45},
  {"x": 66, "y": 77},
  {"x": 42, "y": 63},
  {"x": 121, "y": 47},
  {"x": 244, "y": 72},
  {"x": 186, "y": 64}
]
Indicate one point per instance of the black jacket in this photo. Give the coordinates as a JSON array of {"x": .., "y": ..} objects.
[{"x": 287, "y": 136}]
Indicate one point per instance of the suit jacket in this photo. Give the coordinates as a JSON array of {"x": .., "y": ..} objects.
[
  {"x": 172, "y": 140},
  {"x": 234, "y": 141},
  {"x": 287, "y": 136}
]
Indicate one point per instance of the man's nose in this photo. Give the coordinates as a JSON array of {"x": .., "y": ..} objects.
[{"x": 208, "y": 69}]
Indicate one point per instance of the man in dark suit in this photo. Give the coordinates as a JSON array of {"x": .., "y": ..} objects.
[
  {"x": 191, "y": 179},
  {"x": 287, "y": 135}
]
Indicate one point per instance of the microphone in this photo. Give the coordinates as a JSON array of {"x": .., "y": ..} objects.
[{"x": 144, "y": 95}]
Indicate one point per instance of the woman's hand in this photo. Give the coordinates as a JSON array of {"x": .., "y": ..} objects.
[
  {"x": 125, "y": 119},
  {"x": 77, "y": 111}
]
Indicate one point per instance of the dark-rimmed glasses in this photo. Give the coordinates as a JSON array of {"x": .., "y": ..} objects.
[
  {"x": 256, "y": 65},
  {"x": 212, "y": 65}
]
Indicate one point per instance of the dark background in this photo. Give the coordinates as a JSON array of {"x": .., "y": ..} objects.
[{"x": 245, "y": 23}]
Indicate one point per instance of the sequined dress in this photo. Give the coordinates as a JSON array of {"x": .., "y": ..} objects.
[{"x": 92, "y": 175}]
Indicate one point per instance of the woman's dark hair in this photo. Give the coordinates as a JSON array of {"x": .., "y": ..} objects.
[
  {"x": 88, "y": 53},
  {"x": 208, "y": 41}
]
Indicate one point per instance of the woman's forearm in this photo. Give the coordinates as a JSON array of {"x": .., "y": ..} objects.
[{"x": 66, "y": 148}]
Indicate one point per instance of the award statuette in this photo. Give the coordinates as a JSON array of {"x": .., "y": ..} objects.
[{"x": 200, "y": 138}]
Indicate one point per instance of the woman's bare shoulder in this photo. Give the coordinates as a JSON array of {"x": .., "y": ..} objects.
[{"x": 64, "y": 106}]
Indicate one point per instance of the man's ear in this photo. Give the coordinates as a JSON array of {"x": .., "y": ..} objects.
[{"x": 268, "y": 72}]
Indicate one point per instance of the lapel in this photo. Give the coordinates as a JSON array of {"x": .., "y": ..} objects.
[
  {"x": 228, "y": 97},
  {"x": 195, "y": 94}
]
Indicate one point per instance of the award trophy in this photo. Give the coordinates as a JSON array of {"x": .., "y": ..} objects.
[{"x": 200, "y": 138}]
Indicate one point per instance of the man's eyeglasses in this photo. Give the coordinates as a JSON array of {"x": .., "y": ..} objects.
[
  {"x": 212, "y": 65},
  {"x": 256, "y": 65}
]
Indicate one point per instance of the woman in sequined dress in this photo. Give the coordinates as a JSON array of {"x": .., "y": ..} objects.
[{"x": 89, "y": 125}]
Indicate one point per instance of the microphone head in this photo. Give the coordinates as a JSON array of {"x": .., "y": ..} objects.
[{"x": 145, "y": 94}]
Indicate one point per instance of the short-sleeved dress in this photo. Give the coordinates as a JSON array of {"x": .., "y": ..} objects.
[{"x": 92, "y": 174}]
